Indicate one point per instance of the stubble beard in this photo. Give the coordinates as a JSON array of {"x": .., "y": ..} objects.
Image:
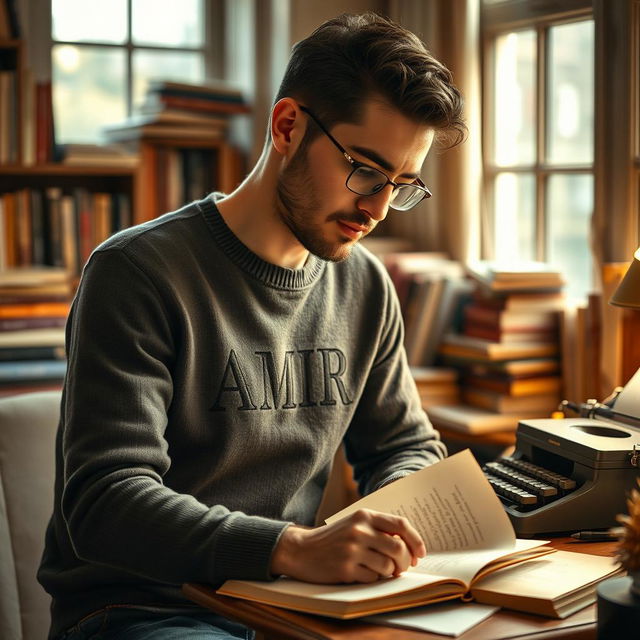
[{"x": 297, "y": 203}]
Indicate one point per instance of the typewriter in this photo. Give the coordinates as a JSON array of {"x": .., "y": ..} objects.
[{"x": 572, "y": 474}]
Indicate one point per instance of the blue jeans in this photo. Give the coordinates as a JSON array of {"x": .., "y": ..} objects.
[{"x": 129, "y": 623}]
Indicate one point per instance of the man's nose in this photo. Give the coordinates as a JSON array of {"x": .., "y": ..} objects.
[{"x": 376, "y": 205}]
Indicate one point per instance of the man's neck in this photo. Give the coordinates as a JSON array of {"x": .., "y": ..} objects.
[{"x": 251, "y": 213}]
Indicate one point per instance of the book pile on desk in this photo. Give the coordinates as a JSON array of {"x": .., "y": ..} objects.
[
  {"x": 507, "y": 349},
  {"x": 34, "y": 304}
]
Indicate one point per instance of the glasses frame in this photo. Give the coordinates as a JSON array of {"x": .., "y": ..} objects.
[{"x": 356, "y": 165}]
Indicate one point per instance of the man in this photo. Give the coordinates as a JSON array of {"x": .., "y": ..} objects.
[{"x": 219, "y": 355}]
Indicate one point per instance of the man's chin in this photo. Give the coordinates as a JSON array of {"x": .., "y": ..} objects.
[{"x": 333, "y": 254}]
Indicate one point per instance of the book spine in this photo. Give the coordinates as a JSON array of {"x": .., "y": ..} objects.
[
  {"x": 18, "y": 324},
  {"x": 24, "y": 228},
  {"x": 44, "y": 119},
  {"x": 38, "y": 240},
  {"x": 31, "y": 353},
  {"x": 500, "y": 335},
  {"x": 209, "y": 96},
  {"x": 5, "y": 25},
  {"x": 32, "y": 370},
  {"x": 10, "y": 229},
  {"x": 15, "y": 27},
  {"x": 44, "y": 309},
  {"x": 200, "y": 104}
]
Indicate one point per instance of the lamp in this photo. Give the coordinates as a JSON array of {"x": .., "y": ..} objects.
[
  {"x": 619, "y": 598},
  {"x": 628, "y": 292}
]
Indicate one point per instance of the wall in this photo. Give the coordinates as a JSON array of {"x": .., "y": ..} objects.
[
  {"x": 306, "y": 15},
  {"x": 259, "y": 37}
]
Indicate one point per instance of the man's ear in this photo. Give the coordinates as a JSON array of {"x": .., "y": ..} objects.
[{"x": 287, "y": 126}]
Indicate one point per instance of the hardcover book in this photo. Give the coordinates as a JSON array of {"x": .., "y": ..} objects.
[
  {"x": 462, "y": 346},
  {"x": 466, "y": 531}
]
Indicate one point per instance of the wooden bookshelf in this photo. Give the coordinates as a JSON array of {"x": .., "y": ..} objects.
[
  {"x": 143, "y": 184},
  {"x": 223, "y": 174},
  {"x": 112, "y": 179}
]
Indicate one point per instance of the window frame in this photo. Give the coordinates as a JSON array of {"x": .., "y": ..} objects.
[
  {"x": 212, "y": 49},
  {"x": 503, "y": 18}
]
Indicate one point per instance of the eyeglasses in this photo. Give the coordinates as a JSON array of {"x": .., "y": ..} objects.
[{"x": 366, "y": 181}]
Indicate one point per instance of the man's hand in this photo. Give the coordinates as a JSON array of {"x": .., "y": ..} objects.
[{"x": 363, "y": 547}]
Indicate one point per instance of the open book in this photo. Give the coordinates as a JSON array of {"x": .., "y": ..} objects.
[{"x": 466, "y": 531}]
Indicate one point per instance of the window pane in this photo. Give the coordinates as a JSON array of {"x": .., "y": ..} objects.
[
  {"x": 89, "y": 91},
  {"x": 167, "y": 65},
  {"x": 515, "y": 98},
  {"x": 570, "y": 118},
  {"x": 169, "y": 23},
  {"x": 89, "y": 20},
  {"x": 569, "y": 209},
  {"x": 514, "y": 216}
]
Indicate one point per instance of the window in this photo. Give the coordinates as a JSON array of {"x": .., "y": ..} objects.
[
  {"x": 104, "y": 54},
  {"x": 538, "y": 82}
]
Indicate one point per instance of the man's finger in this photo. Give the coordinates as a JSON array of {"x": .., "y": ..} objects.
[{"x": 396, "y": 525}]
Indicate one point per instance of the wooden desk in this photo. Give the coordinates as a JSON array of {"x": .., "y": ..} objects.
[{"x": 275, "y": 623}]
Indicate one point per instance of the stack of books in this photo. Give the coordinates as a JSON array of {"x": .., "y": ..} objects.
[
  {"x": 198, "y": 112},
  {"x": 507, "y": 351},
  {"x": 98, "y": 155},
  {"x": 34, "y": 304},
  {"x": 436, "y": 385}
]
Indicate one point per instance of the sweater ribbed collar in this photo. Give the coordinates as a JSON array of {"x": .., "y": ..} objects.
[{"x": 270, "y": 274}]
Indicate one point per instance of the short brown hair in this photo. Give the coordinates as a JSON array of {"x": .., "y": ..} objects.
[{"x": 352, "y": 58}]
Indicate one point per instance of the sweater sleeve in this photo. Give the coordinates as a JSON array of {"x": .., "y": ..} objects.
[
  {"x": 121, "y": 348},
  {"x": 390, "y": 435}
]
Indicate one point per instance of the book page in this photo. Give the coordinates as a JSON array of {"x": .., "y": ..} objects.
[
  {"x": 450, "y": 503},
  {"x": 447, "y": 618},
  {"x": 549, "y": 578},
  {"x": 466, "y": 565}
]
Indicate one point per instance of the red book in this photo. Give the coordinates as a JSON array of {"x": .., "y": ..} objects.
[
  {"x": 201, "y": 104},
  {"x": 486, "y": 332},
  {"x": 505, "y": 320},
  {"x": 44, "y": 122}
]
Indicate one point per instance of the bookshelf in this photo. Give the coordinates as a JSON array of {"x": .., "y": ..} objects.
[
  {"x": 220, "y": 168},
  {"x": 142, "y": 179},
  {"x": 52, "y": 214}
]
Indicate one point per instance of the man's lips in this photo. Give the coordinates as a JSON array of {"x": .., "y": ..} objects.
[{"x": 353, "y": 229}]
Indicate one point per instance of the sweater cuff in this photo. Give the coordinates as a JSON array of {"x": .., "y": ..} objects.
[{"x": 244, "y": 547}]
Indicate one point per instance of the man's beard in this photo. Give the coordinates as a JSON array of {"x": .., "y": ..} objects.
[{"x": 297, "y": 203}]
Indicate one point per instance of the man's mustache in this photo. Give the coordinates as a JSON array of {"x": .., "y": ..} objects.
[{"x": 357, "y": 218}]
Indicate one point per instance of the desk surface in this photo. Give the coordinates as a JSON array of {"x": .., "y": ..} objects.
[{"x": 280, "y": 624}]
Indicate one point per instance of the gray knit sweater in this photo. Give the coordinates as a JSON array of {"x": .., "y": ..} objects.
[{"x": 207, "y": 392}]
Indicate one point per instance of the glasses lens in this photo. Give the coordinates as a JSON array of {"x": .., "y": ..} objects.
[
  {"x": 366, "y": 181},
  {"x": 406, "y": 197}
]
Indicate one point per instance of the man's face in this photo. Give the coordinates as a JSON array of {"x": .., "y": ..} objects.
[{"x": 312, "y": 199}]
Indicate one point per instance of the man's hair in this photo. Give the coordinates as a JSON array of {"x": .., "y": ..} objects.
[{"x": 353, "y": 58}]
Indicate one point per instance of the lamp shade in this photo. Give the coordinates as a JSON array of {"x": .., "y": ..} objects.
[{"x": 628, "y": 292}]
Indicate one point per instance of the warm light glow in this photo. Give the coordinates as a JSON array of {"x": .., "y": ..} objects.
[{"x": 67, "y": 57}]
